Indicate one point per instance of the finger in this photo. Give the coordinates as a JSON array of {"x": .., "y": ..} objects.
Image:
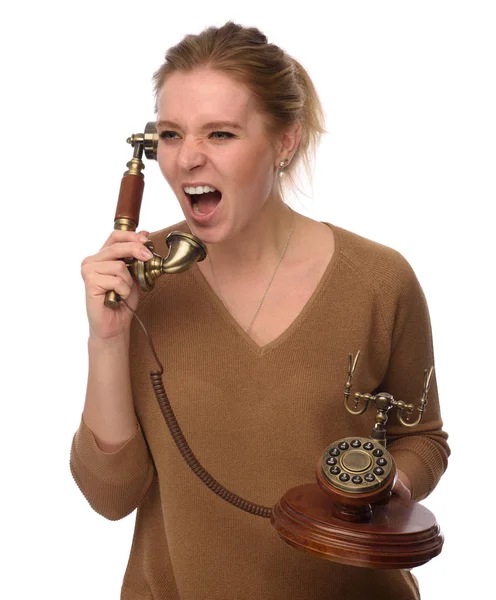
[
  {"x": 117, "y": 268},
  {"x": 126, "y": 236},
  {"x": 401, "y": 490},
  {"x": 99, "y": 285},
  {"x": 120, "y": 250}
]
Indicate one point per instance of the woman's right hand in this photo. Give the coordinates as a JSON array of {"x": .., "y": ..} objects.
[{"x": 103, "y": 272}]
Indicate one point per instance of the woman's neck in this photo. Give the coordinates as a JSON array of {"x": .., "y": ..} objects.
[{"x": 258, "y": 244}]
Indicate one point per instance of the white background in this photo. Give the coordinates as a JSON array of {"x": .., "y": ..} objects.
[{"x": 408, "y": 160}]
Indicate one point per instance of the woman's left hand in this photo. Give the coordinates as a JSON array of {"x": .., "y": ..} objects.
[{"x": 402, "y": 486}]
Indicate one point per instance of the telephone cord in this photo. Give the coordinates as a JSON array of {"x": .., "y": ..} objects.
[{"x": 183, "y": 446}]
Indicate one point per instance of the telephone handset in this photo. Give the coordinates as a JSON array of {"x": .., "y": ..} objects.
[
  {"x": 349, "y": 516},
  {"x": 184, "y": 249}
]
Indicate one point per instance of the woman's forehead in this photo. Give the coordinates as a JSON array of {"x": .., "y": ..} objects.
[{"x": 213, "y": 95}]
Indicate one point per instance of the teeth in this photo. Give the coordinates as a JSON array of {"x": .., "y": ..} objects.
[{"x": 201, "y": 189}]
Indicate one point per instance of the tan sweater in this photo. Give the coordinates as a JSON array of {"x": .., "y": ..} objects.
[{"x": 257, "y": 418}]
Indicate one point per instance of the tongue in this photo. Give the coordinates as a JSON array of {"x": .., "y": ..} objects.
[{"x": 206, "y": 202}]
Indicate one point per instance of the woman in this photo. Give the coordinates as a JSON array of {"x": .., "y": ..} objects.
[{"x": 254, "y": 341}]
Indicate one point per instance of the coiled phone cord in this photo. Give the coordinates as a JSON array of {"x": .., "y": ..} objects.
[{"x": 182, "y": 444}]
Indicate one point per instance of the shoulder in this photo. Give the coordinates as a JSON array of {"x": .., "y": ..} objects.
[{"x": 381, "y": 268}]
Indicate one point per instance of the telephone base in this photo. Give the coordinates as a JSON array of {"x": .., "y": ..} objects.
[{"x": 401, "y": 534}]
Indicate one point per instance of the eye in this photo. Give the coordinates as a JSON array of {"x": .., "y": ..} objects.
[
  {"x": 168, "y": 135},
  {"x": 221, "y": 135}
]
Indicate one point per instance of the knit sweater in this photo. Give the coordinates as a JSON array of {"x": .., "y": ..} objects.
[{"x": 257, "y": 418}]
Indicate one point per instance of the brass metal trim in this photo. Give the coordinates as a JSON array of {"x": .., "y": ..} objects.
[
  {"x": 124, "y": 224},
  {"x": 135, "y": 167},
  {"x": 384, "y": 402}
]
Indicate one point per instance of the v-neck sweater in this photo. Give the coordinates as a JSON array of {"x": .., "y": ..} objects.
[{"x": 257, "y": 418}]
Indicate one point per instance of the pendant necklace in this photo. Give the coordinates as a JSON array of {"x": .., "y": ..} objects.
[{"x": 247, "y": 329}]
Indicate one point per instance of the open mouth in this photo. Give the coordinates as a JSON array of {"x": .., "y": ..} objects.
[{"x": 204, "y": 203}]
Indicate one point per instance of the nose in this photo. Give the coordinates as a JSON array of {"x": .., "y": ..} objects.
[{"x": 190, "y": 154}]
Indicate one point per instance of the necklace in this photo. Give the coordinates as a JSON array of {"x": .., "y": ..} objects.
[{"x": 270, "y": 282}]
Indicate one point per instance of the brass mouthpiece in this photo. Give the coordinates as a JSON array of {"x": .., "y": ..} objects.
[{"x": 184, "y": 250}]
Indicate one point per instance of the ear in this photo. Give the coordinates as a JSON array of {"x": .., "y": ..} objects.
[{"x": 289, "y": 141}]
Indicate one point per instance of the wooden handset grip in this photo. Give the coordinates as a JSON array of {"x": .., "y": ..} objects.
[{"x": 129, "y": 203}]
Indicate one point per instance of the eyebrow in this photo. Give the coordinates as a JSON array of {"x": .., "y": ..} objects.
[{"x": 205, "y": 126}]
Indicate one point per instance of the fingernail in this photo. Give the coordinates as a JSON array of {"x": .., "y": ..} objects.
[
  {"x": 146, "y": 254},
  {"x": 142, "y": 238}
]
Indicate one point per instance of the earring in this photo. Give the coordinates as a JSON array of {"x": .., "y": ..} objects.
[{"x": 282, "y": 164}]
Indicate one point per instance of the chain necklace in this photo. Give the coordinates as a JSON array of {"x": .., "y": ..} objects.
[{"x": 247, "y": 329}]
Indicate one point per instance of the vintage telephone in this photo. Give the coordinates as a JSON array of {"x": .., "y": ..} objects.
[{"x": 349, "y": 516}]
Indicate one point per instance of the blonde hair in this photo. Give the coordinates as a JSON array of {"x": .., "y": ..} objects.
[{"x": 281, "y": 87}]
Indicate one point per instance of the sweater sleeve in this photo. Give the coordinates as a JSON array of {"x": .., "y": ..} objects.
[
  {"x": 114, "y": 483},
  {"x": 420, "y": 452}
]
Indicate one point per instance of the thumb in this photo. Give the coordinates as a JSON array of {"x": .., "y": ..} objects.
[{"x": 400, "y": 487}]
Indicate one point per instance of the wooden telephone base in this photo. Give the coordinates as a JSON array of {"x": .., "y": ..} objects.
[{"x": 376, "y": 530}]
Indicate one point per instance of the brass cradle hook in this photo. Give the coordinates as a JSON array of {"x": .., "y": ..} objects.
[
  {"x": 352, "y": 363},
  {"x": 384, "y": 402},
  {"x": 184, "y": 249}
]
